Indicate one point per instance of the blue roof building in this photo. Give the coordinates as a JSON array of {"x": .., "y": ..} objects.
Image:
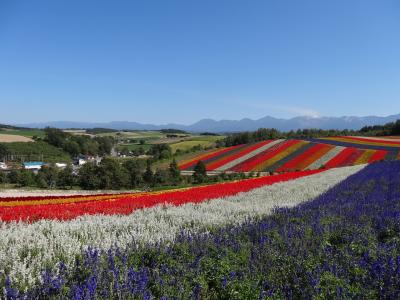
[{"x": 33, "y": 165}]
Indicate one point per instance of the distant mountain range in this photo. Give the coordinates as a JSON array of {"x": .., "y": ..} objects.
[{"x": 210, "y": 125}]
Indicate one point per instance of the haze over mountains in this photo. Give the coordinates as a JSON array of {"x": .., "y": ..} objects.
[{"x": 210, "y": 125}]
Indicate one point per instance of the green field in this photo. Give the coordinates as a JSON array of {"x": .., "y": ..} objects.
[
  {"x": 33, "y": 151},
  {"x": 209, "y": 138},
  {"x": 133, "y": 146},
  {"x": 203, "y": 141},
  {"x": 186, "y": 145},
  {"x": 134, "y": 134},
  {"x": 28, "y": 132}
]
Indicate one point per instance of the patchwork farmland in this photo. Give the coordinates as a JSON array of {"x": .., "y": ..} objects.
[{"x": 282, "y": 155}]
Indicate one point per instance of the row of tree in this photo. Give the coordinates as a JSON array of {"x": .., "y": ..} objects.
[
  {"x": 110, "y": 174},
  {"x": 392, "y": 128},
  {"x": 267, "y": 133}
]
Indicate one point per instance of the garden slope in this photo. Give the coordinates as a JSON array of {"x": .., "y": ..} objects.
[{"x": 296, "y": 155}]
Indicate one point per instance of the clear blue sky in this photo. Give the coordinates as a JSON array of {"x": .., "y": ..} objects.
[{"x": 180, "y": 61}]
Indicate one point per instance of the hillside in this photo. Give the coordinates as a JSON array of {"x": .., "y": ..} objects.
[{"x": 294, "y": 154}]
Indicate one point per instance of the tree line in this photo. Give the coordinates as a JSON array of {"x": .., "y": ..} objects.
[
  {"x": 392, "y": 128},
  {"x": 79, "y": 144},
  {"x": 111, "y": 174},
  {"x": 263, "y": 134}
]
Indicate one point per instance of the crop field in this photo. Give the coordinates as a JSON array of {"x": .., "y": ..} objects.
[
  {"x": 135, "y": 134},
  {"x": 31, "y": 151},
  {"x": 133, "y": 146},
  {"x": 185, "y": 145},
  {"x": 330, "y": 233},
  {"x": 23, "y": 132},
  {"x": 295, "y": 155},
  {"x": 11, "y": 138}
]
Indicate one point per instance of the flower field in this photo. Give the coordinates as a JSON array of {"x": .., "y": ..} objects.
[
  {"x": 314, "y": 234},
  {"x": 296, "y": 155}
]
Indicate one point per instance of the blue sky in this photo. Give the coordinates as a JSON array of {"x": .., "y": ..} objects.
[{"x": 180, "y": 61}]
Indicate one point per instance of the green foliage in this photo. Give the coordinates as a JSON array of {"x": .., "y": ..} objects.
[
  {"x": 78, "y": 144},
  {"x": 65, "y": 178},
  {"x": 392, "y": 128},
  {"x": 160, "y": 151},
  {"x": 3, "y": 151},
  {"x": 173, "y": 131},
  {"x": 200, "y": 172},
  {"x": 47, "y": 177},
  {"x": 161, "y": 177},
  {"x": 148, "y": 174},
  {"x": 112, "y": 174},
  {"x": 100, "y": 130},
  {"x": 33, "y": 151},
  {"x": 134, "y": 169},
  {"x": 174, "y": 173},
  {"x": 3, "y": 177},
  {"x": 25, "y": 178},
  {"x": 267, "y": 134},
  {"x": 88, "y": 176}
]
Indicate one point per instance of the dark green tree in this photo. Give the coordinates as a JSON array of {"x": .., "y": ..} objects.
[
  {"x": 105, "y": 143},
  {"x": 3, "y": 177},
  {"x": 12, "y": 177},
  {"x": 3, "y": 151},
  {"x": 148, "y": 174},
  {"x": 200, "y": 172},
  {"x": 160, "y": 177},
  {"x": 174, "y": 173},
  {"x": 55, "y": 137},
  {"x": 134, "y": 169},
  {"x": 72, "y": 147},
  {"x": 25, "y": 178},
  {"x": 47, "y": 177},
  {"x": 88, "y": 177},
  {"x": 113, "y": 175},
  {"x": 65, "y": 178}
]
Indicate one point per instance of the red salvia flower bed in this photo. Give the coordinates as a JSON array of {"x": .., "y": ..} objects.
[
  {"x": 126, "y": 205},
  {"x": 378, "y": 155}
]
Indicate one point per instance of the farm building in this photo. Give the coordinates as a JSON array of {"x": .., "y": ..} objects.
[{"x": 33, "y": 165}]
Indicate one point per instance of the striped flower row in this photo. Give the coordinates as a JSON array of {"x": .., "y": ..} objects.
[
  {"x": 69, "y": 208},
  {"x": 292, "y": 155},
  {"x": 26, "y": 248}
]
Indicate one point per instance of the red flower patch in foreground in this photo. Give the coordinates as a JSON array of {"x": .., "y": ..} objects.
[{"x": 126, "y": 205}]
